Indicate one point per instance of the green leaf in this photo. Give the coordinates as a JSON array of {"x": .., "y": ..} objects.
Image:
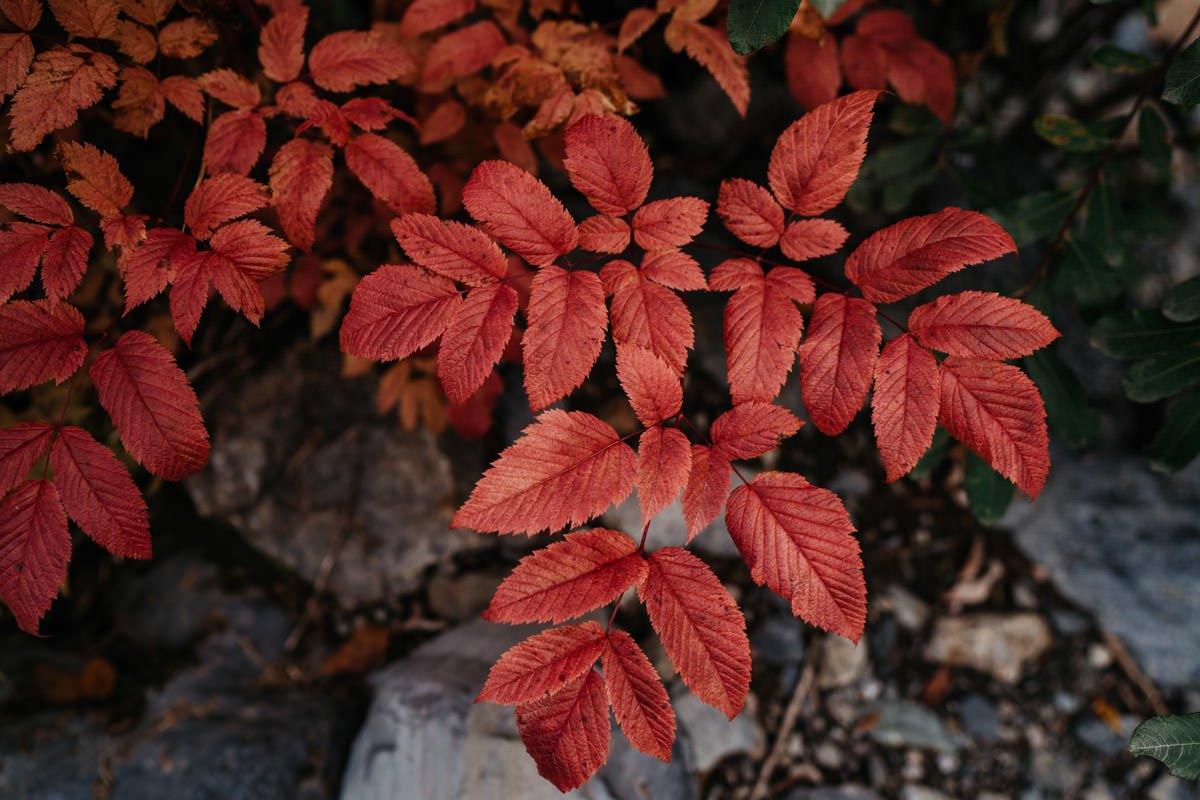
[
  {"x": 1071, "y": 134},
  {"x": 1034, "y": 216},
  {"x": 898, "y": 194},
  {"x": 1104, "y": 223},
  {"x": 1140, "y": 334},
  {"x": 1068, "y": 413},
  {"x": 905, "y": 158},
  {"x": 1178, "y": 443},
  {"x": 1174, "y": 740},
  {"x": 1085, "y": 275},
  {"x": 1182, "y": 86},
  {"x": 1163, "y": 374},
  {"x": 1182, "y": 303},
  {"x": 1119, "y": 60},
  {"x": 933, "y": 456},
  {"x": 754, "y": 23},
  {"x": 1154, "y": 139},
  {"x": 827, "y": 8},
  {"x": 988, "y": 492}
]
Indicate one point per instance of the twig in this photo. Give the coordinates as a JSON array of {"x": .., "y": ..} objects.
[
  {"x": 800, "y": 695},
  {"x": 1134, "y": 673}
]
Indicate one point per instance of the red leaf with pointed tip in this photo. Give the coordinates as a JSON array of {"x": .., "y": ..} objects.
[
  {"x": 996, "y": 410},
  {"x": 301, "y": 176},
  {"x": 36, "y": 203},
  {"x": 812, "y": 238},
  {"x": 639, "y": 700},
  {"x": 373, "y": 113},
  {"x": 65, "y": 261},
  {"x": 566, "y": 327},
  {"x": 652, "y": 386},
  {"x": 792, "y": 283},
  {"x": 449, "y": 248},
  {"x": 251, "y": 247},
  {"x": 125, "y": 231},
  {"x": 864, "y": 62},
  {"x": 390, "y": 173},
  {"x": 186, "y": 38},
  {"x": 39, "y": 341},
  {"x": 21, "y": 446},
  {"x": 608, "y": 162},
  {"x": 904, "y": 258},
  {"x": 648, "y": 315},
  {"x": 543, "y": 664},
  {"x": 460, "y": 53},
  {"x": 674, "y": 269},
  {"x": 475, "y": 339},
  {"x": 751, "y": 429},
  {"x": 762, "y": 329},
  {"x": 981, "y": 325},
  {"x": 16, "y": 56},
  {"x": 189, "y": 292},
  {"x": 812, "y": 70},
  {"x": 153, "y": 264},
  {"x": 817, "y": 158},
  {"x": 62, "y": 82},
  {"x": 89, "y": 19},
  {"x": 707, "y": 487},
  {"x": 750, "y": 212},
  {"x": 25, "y": 14},
  {"x": 924, "y": 75},
  {"x": 235, "y": 141},
  {"x": 344, "y": 60},
  {"x": 635, "y": 25},
  {"x": 664, "y": 461},
  {"x": 424, "y": 16},
  {"x": 668, "y": 224},
  {"x": 219, "y": 199},
  {"x": 734, "y": 273},
  {"x": 904, "y": 406},
  {"x": 95, "y": 178},
  {"x": 99, "y": 494},
  {"x": 710, "y": 48},
  {"x": 281, "y": 44},
  {"x": 445, "y": 120},
  {"x": 231, "y": 88},
  {"x": 566, "y": 468},
  {"x": 567, "y": 734},
  {"x": 184, "y": 93},
  {"x": 837, "y": 360},
  {"x": 397, "y": 310},
  {"x": 584, "y": 571},
  {"x": 799, "y": 541},
  {"x": 21, "y": 248},
  {"x": 604, "y": 234},
  {"x": 34, "y": 550},
  {"x": 520, "y": 211},
  {"x": 701, "y": 628},
  {"x": 152, "y": 406}
]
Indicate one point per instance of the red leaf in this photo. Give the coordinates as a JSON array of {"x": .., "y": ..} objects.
[
  {"x": 136, "y": 41},
  {"x": 301, "y": 176},
  {"x": 750, "y": 212},
  {"x": 664, "y": 461},
  {"x": 345, "y": 60},
  {"x": 566, "y": 327},
  {"x": 235, "y": 141},
  {"x": 864, "y": 62},
  {"x": 707, "y": 486},
  {"x": 89, "y": 19},
  {"x": 124, "y": 232},
  {"x": 812, "y": 238},
  {"x": 995, "y": 410},
  {"x": 16, "y": 56},
  {"x": 445, "y": 120},
  {"x": 604, "y": 234},
  {"x": 762, "y": 329},
  {"x": 608, "y": 162},
  {"x": 652, "y": 386},
  {"x": 520, "y": 211},
  {"x": 751, "y": 429},
  {"x": 95, "y": 178},
  {"x": 63, "y": 82},
  {"x": 189, "y": 292},
  {"x": 837, "y": 360},
  {"x": 543, "y": 664},
  {"x": 567, "y": 734},
  {"x": 924, "y": 75},
  {"x": 152, "y": 406},
  {"x": 397, "y": 310},
  {"x": 638, "y": 697},
  {"x": 812, "y": 69},
  {"x": 460, "y": 53},
  {"x": 231, "y": 88},
  {"x": 185, "y": 94},
  {"x": 424, "y": 16},
  {"x": 584, "y": 571},
  {"x": 904, "y": 407},
  {"x": 65, "y": 261},
  {"x": 674, "y": 269},
  {"x": 793, "y": 284},
  {"x": 281, "y": 44},
  {"x": 99, "y": 494},
  {"x": 39, "y": 341},
  {"x": 21, "y": 446},
  {"x": 817, "y": 158},
  {"x": 219, "y": 199},
  {"x": 710, "y": 48},
  {"x": 566, "y": 468},
  {"x": 904, "y": 258},
  {"x": 449, "y": 248},
  {"x": 701, "y": 628},
  {"x": 981, "y": 325},
  {"x": 21, "y": 248},
  {"x": 667, "y": 224},
  {"x": 34, "y": 550},
  {"x": 186, "y": 38},
  {"x": 152, "y": 265},
  {"x": 648, "y": 315},
  {"x": 390, "y": 173},
  {"x": 251, "y": 247},
  {"x": 475, "y": 339},
  {"x": 799, "y": 541},
  {"x": 36, "y": 203},
  {"x": 25, "y": 14},
  {"x": 635, "y": 25},
  {"x": 373, "y": 113}
]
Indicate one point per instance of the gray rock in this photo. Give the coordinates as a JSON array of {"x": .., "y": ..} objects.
[
  {"x": 1093, "y": 732},
  {"x": 842, "y": 662},
  {"x": 910, "y": 611},
  {"x": 998, "y": 644},
  {"x": 712, "y": 736},
  {"x": 299, "y": 459},
  {"x": 461, "y": 597},
  {"x": 1056, "y": 773},
  {"x": 780, "y": 640},
  {"x": 669, "y": 528},
  {"x": 1168, "y": 787},
  {"x": 915, "y": 792},
  {"x": 52, "y": 756},
  {"x": 848, "y": 792},
  {"x": 1120, "y": 541},
  {"x": 980, "y": 719},
  {"x": 169, "y": 605},
  {"x": 902, "y": 723}
]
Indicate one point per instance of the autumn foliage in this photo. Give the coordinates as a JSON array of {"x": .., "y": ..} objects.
[{"x": 517, "y": 279}]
